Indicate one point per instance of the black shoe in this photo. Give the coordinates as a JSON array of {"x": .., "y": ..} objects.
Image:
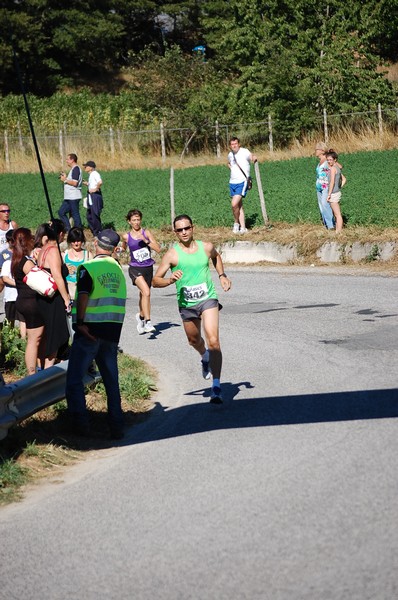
[
  {"x": 83, "y": 429},
  {"x": 216, "y": 397},
  {"x": 117, "y": 433},
  {"x": 78, "y": 426}
]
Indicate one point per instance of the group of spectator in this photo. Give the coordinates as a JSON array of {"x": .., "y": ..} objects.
[
  {"x": 42, "y": 318},
  {"x": 329, "y": 181},
  {"x": 73, "y": 183},
  {"x": 90, "y": 290}
]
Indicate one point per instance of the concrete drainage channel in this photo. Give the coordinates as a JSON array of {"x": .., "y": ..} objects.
[{"x": 330, "y": 252}]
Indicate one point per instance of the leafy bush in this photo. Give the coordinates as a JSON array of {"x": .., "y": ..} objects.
[{"x": 12, "y": 351}]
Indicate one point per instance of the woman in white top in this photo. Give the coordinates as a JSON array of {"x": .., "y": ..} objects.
[{"x": 334, "y": 189}]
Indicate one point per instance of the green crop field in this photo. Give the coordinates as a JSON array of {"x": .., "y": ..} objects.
[{"x": 369, "y": 198}]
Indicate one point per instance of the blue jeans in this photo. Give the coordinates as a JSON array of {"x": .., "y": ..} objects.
[
  {"x": 325, "y": 208},
  {"x": 70, "y": 207},
  {"x": 82, "y": 353}
]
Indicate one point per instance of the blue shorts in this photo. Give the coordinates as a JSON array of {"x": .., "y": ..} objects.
[{"x": 238, "y": 189}]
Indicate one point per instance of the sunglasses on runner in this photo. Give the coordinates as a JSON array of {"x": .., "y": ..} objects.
[
  {"x": 181, "y": 229},
  {"x": 5, "y": 210}
]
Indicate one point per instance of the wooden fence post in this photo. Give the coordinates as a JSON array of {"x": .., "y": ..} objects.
[
  {"x": 380, "y": 119},
  {"x": 61, "y": 147},
  {"x": 260, "y": 192},
  {"x": 6, "y": 150},
  {"x": 325, "y": 127},
  {"x": 270, "y": 136},
  {"x": 162, "y": 142},
  {"x": 21, "y": 146},
  {"x": 218, "y": 148},
  {"x": 172, "y": 209},
  {"x": 119, "y": 140},
  {"x": 111, "y": 142}
]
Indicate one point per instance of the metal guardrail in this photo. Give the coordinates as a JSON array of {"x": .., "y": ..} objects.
[{"x": 23, "y": 398}]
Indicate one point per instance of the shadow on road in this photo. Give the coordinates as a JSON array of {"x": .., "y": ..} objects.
[
  {"x": 265, "y": 412},
  {"x": 163, "y": 423}
]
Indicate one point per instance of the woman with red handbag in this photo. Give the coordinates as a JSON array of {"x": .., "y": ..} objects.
[
  {"x": 53, "y": 309},
  {"x": 26, "y": 303}
]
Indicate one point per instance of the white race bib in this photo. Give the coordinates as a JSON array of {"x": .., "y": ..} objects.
[
  {"x": 195, "y": 292},
  {"x": 141, "y": 255}
]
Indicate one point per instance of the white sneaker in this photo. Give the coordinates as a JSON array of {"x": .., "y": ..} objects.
[
  {"x": 243, "y": 230},
  {"x": 148, "y": 327},
  {"x": 235, "y": 228},
  {"x": 140, "y": 324}
]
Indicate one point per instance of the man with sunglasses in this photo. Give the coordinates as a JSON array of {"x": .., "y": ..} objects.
[
  {"x": 197, "y": 298},
  {"x": 5, "y": 225}
]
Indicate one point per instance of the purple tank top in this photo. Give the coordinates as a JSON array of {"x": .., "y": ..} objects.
[{"x": 140, "y": 253}]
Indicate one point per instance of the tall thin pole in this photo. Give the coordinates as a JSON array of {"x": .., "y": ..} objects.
[{"x": 32, "y": 131}]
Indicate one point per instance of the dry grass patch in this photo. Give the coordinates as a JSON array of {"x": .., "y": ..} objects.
[
  {"x": 43, "y": 445},
  {"x": 343, "y": 139}
]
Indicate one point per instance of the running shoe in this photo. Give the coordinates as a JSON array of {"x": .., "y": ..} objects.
[
  {"x": 243, "y": 230},
  {"x": 206, "y": 373},
  {"x": 216, "y": 397},
  {"x": 235, "y": 228},
  {"x": 148, "y": 327},
  {"x": 140, "y": 324}
]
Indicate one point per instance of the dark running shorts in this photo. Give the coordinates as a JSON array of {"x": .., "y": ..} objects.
[
  {"x": 195, "y": 312},
  {"x": 145, "y": 272},
  {"x": 29, "y": 310},
  {"x": 10, "y": 310}
]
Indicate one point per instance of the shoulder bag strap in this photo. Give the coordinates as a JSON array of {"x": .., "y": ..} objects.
[
  {"x": 43, "y": 258},
  {"x": 238, "y": 165}
]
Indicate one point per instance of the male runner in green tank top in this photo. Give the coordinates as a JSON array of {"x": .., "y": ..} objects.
[{"x": 196, "y": 295}]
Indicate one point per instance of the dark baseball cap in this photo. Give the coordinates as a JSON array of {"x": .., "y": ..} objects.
[
  {"x": 89, "y": 163},
  {"x": 108, "y": 237}
]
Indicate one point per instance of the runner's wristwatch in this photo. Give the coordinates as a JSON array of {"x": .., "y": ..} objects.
[{"x": 222, "y": 275}]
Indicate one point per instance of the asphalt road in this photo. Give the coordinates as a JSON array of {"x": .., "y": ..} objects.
[{"x": 287, "y": 491}]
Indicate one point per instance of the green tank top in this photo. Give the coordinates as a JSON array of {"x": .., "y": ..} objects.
[{"x": 196, "y": 284}]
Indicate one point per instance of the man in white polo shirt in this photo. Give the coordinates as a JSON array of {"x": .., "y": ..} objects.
[
  {"x": 72, "y": 193},
  {"x": 94, "y": 197},
  {"x": 239, "y": 160}
]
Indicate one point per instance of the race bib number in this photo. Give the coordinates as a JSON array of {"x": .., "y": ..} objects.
[
  {"x": 141, "y": 255},
  {"x": 195, "y": 292}
]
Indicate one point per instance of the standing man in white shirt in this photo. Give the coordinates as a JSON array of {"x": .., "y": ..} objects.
[
  {"x": 239, "y": 160},
  {"x": 95, "y": 203},
  {"x": 72, "y": 193},
  {"x": 5, "y": 225}
]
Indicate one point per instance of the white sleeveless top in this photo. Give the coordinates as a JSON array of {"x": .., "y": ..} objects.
[{"x": 3, "y": 241}]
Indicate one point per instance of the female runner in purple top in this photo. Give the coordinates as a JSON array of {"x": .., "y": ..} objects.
[{"x": 140, "y": 242}]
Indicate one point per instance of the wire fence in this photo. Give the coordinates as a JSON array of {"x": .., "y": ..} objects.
[{"x": 164, "y": 141}]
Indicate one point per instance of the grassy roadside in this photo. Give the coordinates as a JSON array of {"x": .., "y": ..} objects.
[{"x": 41, "y": 446}]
